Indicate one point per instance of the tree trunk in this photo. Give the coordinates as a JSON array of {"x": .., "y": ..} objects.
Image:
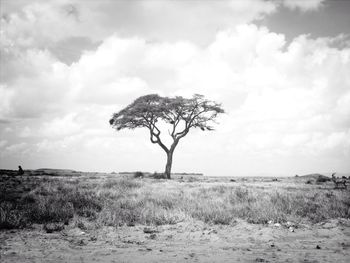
[{"x": 169, "y": 162}]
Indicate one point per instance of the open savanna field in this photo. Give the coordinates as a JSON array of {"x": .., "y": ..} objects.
[{"x": 67, "y": 216}]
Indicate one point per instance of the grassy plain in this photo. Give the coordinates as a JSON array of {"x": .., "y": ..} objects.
[{"x": 112, "y": 200}]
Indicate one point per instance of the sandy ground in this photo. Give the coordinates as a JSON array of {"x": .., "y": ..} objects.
[{"x": 183, "y": 242}]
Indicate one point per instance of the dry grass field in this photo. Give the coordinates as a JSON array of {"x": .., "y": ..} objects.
[{"x": 67, "y": 216}]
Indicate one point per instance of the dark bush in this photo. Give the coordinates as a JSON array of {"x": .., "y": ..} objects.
[
  {"x": 53, "y": 227},
  {"x": 11, "y": 216},
  {"x": 138, "y": 174},
  {"x": 323, "y": 179},
  {"x": 156, "y": 175},
  {"x": 50, "y": 209}
]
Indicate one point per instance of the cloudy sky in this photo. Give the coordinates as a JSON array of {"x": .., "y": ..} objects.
[{"x": 281, "y": 70}]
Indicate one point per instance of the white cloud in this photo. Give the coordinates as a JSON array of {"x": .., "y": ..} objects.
[
  {"x": 59, "y": 127},
  {"x": 16, "y": 149},
  {"x": 303, "y": 5},
  {"x": 26, "y": 132},
  {"x": 2, "y": 143},
  {"x": 39, "y": 85},
  {"x": 6, "y": 96},
  {"x": 296, "y": 139},
  {"x": 57, "y": 20}
]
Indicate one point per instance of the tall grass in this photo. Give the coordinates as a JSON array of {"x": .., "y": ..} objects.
[{"x": 131, "y": 201}]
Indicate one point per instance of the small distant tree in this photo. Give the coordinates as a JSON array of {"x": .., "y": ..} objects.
[{"x": 181, "y": 114}]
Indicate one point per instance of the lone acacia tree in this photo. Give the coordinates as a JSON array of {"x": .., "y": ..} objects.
[{"x": 180, "y": 113}]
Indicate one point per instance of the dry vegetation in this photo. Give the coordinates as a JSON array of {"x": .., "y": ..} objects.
[{"x": 90, "y": 201}]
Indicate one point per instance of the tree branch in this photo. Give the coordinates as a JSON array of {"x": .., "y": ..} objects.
[{"x": 152, "y": 127}]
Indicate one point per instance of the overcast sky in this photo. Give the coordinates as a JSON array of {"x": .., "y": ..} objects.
[{"x": 281, "y": 70}]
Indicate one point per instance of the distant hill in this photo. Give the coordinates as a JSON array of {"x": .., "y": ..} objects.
[
  {"x": 317, "y": 175},
  {"x": 53, "y": 172},
  {"x": 42, "y": 171},
  {"x": 313, "y": 176}
]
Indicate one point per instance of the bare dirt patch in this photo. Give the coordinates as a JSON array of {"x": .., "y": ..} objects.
[{"x": 191, "y": 241}]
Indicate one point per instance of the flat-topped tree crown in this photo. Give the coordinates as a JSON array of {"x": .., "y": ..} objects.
[{"x": 180, "y": 113}]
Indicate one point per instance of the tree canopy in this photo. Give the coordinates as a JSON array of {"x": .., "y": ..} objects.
[{"x": 180, "y": 113}]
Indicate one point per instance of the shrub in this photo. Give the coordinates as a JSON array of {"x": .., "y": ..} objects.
[
  {"x": 156, "y": 175},
  {"x": 322, "y": 179},
  {"x": 80, "y": 224},
  {"x": 85, "y": 203},
  {"x": 52, "y": 227},
  {"x": 50, "y": 209},
  {"x": 11, "y": 217},
  {"x": 138, "y": 175}
]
